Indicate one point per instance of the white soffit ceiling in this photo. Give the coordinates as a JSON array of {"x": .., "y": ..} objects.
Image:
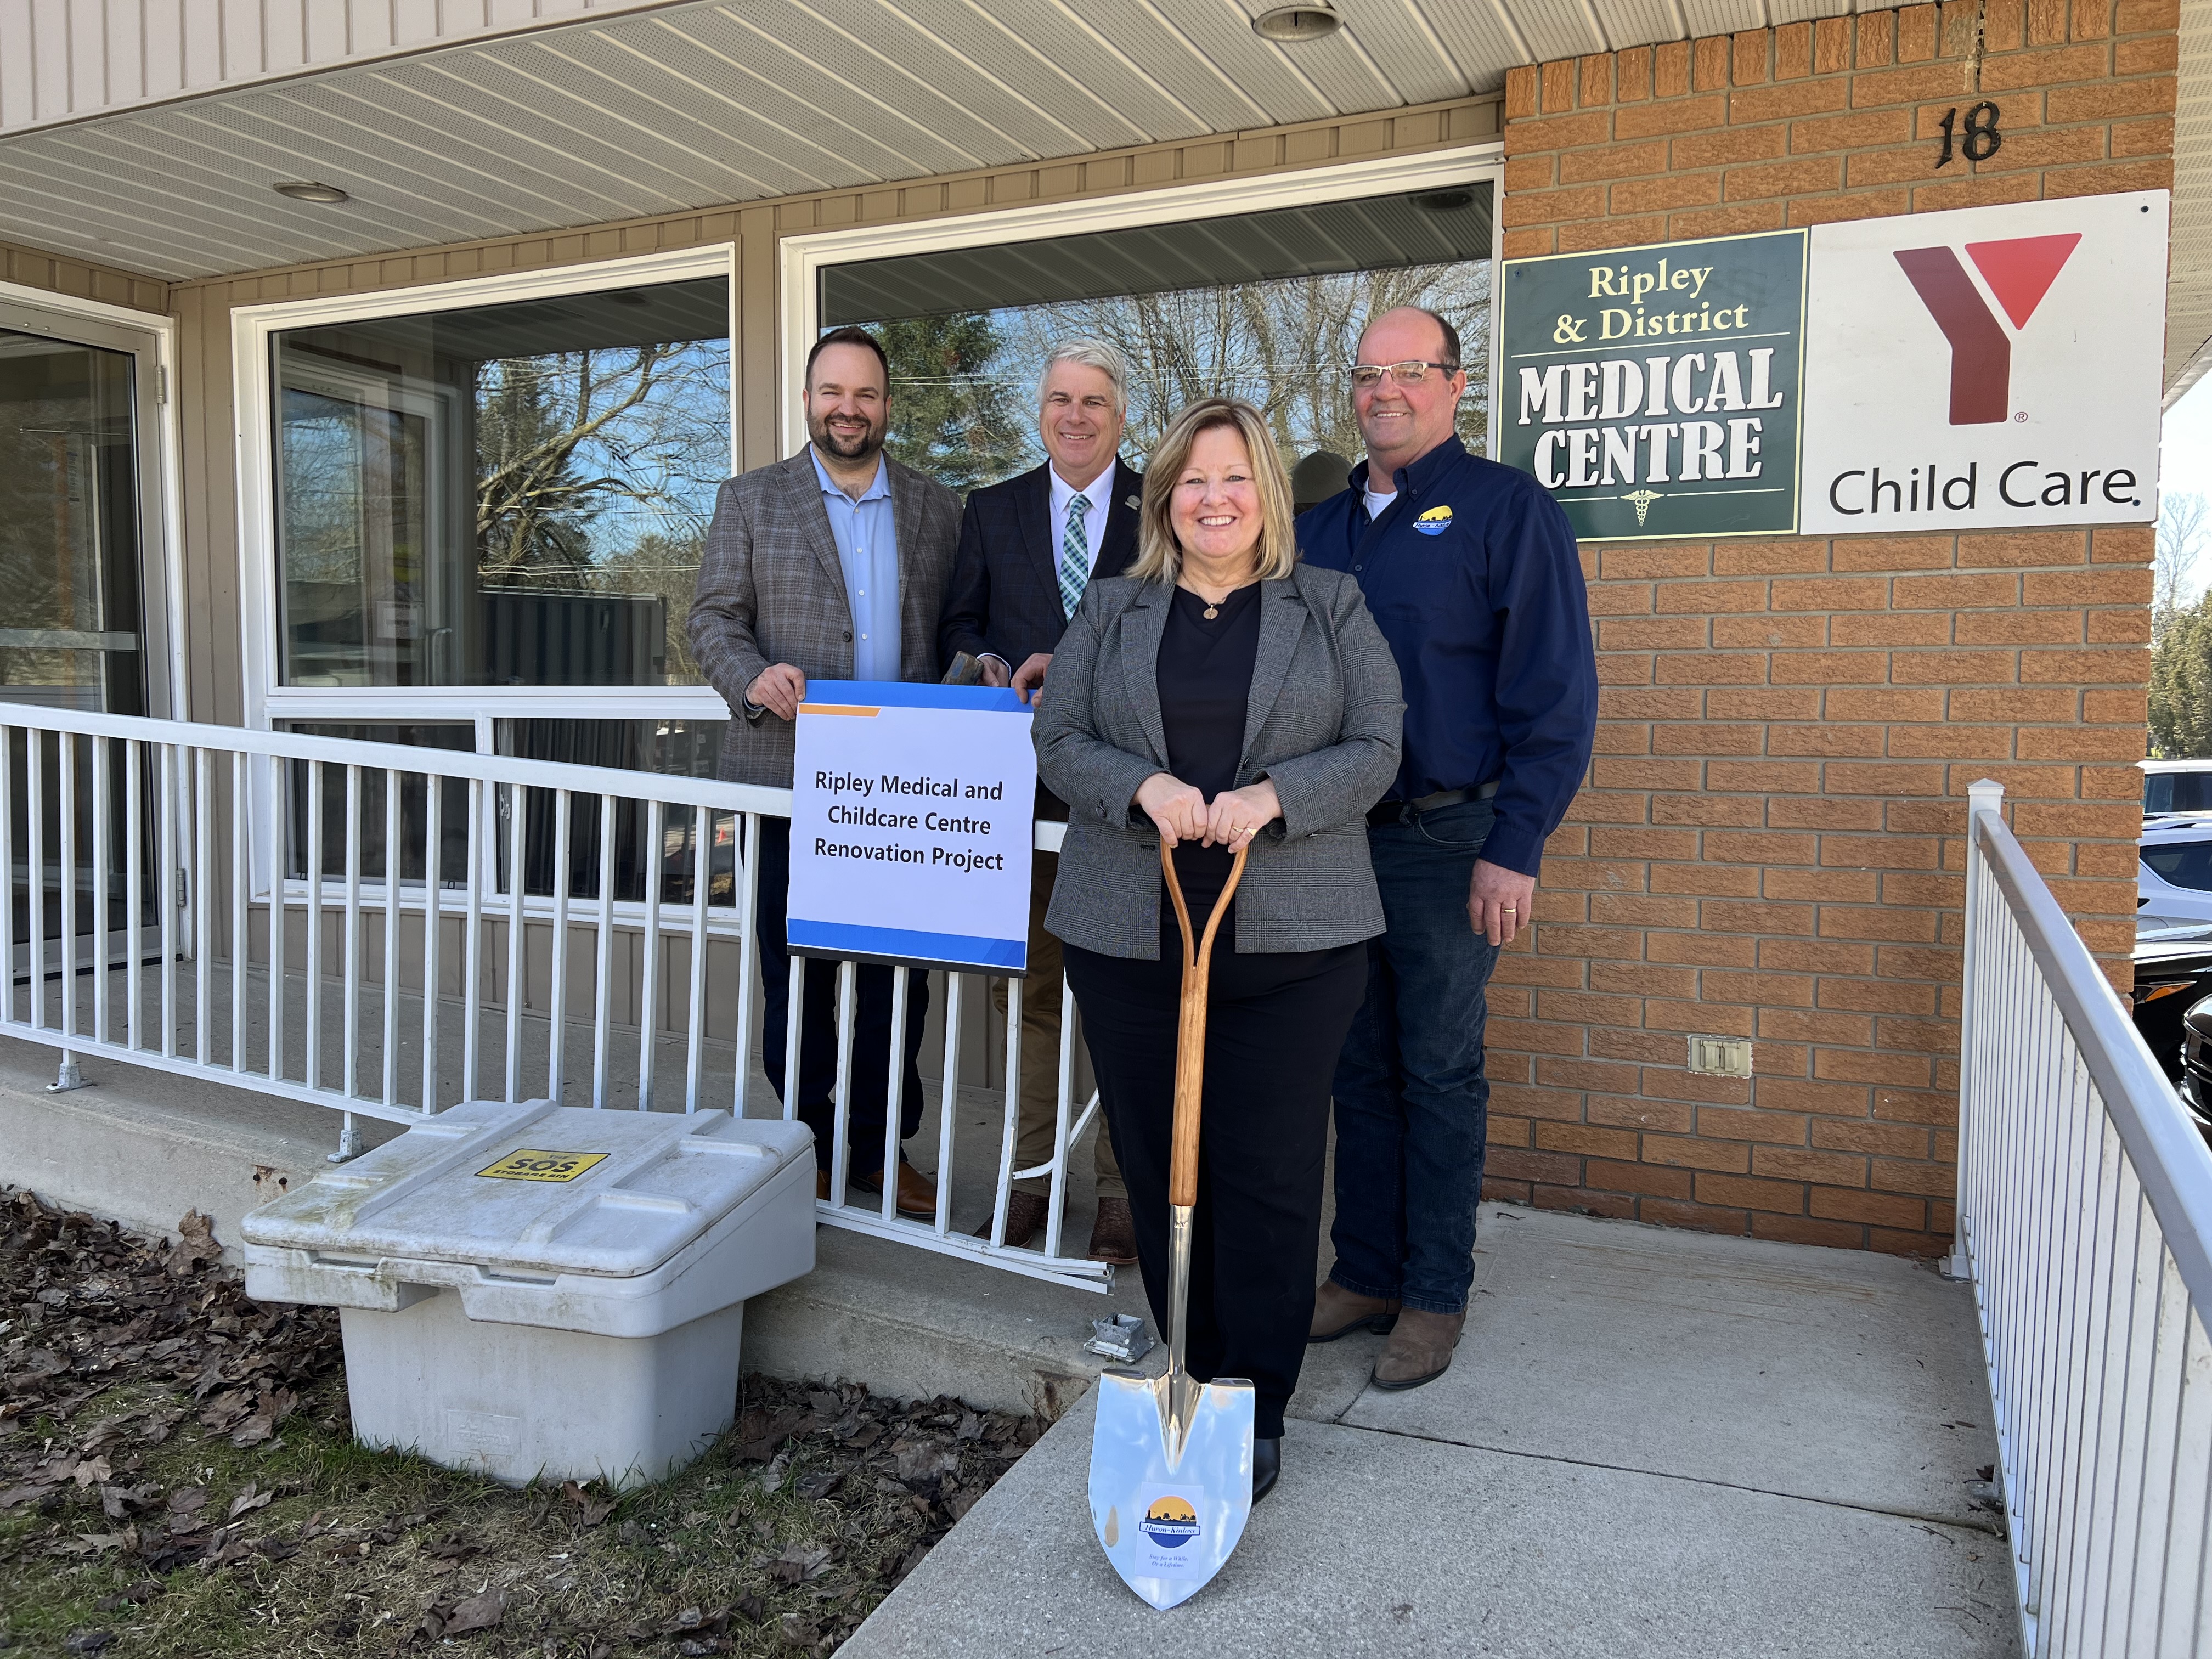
[{"x": 651, "y": 110}]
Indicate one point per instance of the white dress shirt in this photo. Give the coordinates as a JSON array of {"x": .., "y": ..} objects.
[{"x": 1099, "y": 494}]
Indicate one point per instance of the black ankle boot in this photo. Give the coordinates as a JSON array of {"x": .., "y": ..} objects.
[{"x": 1266, "y": 1465}]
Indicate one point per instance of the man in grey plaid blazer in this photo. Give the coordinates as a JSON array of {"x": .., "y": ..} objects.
[{"x": 830, "y": 565}]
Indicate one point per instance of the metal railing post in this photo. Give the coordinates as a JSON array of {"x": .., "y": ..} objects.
[{"x": 1986, "y": 796}]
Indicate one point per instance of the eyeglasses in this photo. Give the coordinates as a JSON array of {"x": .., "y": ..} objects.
[{"x": 1368, "y": 375}]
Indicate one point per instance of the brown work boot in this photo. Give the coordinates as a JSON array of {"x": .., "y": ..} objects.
[
  {"x": 1024, "y": 1215},
  {"x": 1420, "y": 1349},
  {"x": 1114, "y": 1234},
  {"x": 1338, "y": 1312},
  {"x": 917, "y": 1196}
]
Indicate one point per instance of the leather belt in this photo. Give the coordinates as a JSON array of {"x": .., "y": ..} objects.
[{"x": 1405, "y": 811}]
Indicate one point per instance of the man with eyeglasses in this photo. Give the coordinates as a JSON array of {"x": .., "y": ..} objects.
[{"x": 1472, "y": 573}]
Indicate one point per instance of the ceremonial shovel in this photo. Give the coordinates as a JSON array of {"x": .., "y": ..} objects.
[{"x": 1171, "y": 1458}]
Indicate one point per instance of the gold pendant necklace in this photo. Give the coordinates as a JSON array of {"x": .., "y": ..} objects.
[{"x": 1212, "y": 612}]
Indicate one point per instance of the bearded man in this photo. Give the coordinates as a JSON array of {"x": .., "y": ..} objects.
[{"x": 831, "y": 564}]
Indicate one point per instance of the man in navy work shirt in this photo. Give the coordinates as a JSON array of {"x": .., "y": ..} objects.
[{"x": 1470, "y": 571}]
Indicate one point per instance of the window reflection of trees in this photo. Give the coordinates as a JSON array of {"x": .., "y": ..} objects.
[
  {"x": 965, "y": 385},
  {"x": 596, "y": 472},
  {"x": 459, "y": 508}
]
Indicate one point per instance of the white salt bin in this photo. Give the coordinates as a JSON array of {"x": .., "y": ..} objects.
[{"x": 533, "y": 1291}]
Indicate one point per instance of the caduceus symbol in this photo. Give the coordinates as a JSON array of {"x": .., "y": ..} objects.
[{"x": 1641, "y": 500}]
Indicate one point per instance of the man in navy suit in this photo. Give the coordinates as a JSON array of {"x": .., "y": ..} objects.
[{"x": 1027, "y": 547}]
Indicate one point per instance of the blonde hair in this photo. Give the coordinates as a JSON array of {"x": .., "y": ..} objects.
[{"x": 1159, "y": 555}]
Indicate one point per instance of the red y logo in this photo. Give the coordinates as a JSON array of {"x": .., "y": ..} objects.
[{"x": 2020, "y": 273}]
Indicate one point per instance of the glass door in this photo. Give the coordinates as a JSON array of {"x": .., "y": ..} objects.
[{"x": 81, "y": 622}]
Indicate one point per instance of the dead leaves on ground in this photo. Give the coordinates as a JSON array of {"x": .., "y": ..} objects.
[
  {"x": 90, "y": 1312},
  {"x": 446, "y": 1618},
  {"x": 593, "y": 1506}
]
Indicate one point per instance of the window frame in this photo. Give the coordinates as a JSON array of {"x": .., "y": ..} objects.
[
  {"x": 150, "y": 339},
  {"x": 253, "y": 329},
  {"x": 803, "y": 256}
]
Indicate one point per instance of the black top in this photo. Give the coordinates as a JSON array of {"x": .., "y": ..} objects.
[{"x": 1205, "y": 676}]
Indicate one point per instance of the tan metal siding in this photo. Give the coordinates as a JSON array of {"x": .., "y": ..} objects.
[{"x": 56, "y": 275}]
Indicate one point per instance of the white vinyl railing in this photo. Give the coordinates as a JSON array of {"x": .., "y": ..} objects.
[
  {"x": 2084, "y": 1217},
  {"x": 387, "y": 931}
]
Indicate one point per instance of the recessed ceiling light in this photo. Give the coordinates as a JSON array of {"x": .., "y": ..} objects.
[
  {"x": 1296, "y": 23},
  {"x": 328, "y": 195}
]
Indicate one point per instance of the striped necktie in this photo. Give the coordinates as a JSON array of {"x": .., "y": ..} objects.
[{"x": 1074, "y": 555}]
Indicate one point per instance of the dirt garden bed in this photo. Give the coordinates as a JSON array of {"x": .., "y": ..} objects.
[{"x": 177, "y": 1479}]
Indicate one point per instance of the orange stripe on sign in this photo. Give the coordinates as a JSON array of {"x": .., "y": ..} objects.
[{"x": 834, "y": 708}]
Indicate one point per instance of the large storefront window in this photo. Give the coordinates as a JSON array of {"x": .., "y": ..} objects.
[
  {"x": 1265, "y": 306},
  {"x": 510, "y": 494}
]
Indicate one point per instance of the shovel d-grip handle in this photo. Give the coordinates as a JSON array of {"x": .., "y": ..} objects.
[{"x": 1190, "y": 1033}]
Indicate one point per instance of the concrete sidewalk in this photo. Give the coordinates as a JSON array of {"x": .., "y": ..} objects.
[{"x": 1652, "y": 1442}]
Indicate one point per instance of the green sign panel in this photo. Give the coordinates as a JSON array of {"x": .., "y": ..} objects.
[{"x": 1654, "y": 391}]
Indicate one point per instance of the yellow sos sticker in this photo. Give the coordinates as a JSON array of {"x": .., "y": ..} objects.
[{"x": 527, "y": 1164}]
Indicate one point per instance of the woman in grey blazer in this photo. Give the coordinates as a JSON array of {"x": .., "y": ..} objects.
[{"x": 1221, "y": 696}]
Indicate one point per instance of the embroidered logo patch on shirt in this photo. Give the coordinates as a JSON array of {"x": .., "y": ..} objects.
[{"x": 1434, "y": 522}]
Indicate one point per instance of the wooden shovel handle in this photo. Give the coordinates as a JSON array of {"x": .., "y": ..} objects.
[{"x": 1190, "y": 1036}]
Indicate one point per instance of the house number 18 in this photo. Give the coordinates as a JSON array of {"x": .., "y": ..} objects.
[{"x": 1980, "y": 138}]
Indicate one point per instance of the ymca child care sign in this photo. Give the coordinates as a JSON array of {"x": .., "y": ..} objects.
[{"x": 912, "y": 810}]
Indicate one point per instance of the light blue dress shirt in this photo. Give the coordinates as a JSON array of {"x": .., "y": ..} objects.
[{"x": 867, "y": 552}]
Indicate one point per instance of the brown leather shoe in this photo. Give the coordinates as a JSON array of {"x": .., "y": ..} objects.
[
  {"x": 1419, "y": 1349},
  {"x": 917, "y": 1194},
  {"x": 1024, "y": 1215},
  {"x": 1338, "y": 1312},
  {"x": 1114, "y": 1234}
]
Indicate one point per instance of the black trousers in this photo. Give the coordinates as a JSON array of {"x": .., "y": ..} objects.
[
  {"x": 817, "y": 1038},
  {"x": 1274, "y": 1029}
]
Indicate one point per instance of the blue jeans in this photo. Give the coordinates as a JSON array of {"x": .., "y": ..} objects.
[{"x": 1412, "y": 1103}]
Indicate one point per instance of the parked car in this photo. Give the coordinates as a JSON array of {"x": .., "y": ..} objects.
[
  {"x": 2196, "y": 1085},
  {"x": 2174, "y": 976},
  {"x": 2172, "y": 786},
  {"x": 2173, "y": 875}
]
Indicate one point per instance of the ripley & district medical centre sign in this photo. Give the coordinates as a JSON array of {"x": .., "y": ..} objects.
[{"x": 1654, "y": 391}]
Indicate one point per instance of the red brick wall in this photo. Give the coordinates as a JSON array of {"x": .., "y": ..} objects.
[{"x": 1769, "y": 845}]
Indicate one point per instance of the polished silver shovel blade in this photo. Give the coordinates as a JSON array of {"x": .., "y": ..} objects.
[{"x": 1169, "y": 1513}]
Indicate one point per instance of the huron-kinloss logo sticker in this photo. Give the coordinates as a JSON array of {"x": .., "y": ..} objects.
[{"x": 2020, "y": 271}]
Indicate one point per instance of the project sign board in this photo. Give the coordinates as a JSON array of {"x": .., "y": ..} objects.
[
  {"x": 1654, "y": 391},
  {"x": 1985, "y": 368},
  {"x": 911, "y": 818}
]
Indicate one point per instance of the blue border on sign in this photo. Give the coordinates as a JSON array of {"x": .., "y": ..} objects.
[
  {"x": 897, "y": 694},
  {"x": 844, "y": 938}
]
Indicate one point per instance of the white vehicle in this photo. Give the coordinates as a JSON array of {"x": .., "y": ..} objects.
[
  {"x": 2173, "y": 879},
  {"x": 2172, "y": 786}
]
